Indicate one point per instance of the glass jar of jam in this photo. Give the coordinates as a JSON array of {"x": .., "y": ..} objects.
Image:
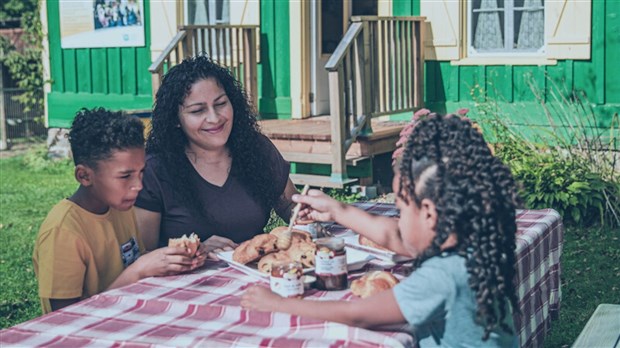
[
  {"x": 286, "y": 279},
  {"x": 331, "y": 264}
]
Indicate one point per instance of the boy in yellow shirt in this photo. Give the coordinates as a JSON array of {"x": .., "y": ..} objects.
[{"x": 89, "y": 242}]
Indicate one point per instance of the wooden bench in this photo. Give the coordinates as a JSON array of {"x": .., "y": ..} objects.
[{"x": 602, "y": 329}]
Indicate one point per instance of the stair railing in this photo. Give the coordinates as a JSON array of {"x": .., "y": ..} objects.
[
  {"x": 377, "y": 69},
  {"x": 233, "y": 46}
]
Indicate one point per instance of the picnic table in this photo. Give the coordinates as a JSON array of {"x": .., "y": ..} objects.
[{"x": 203, "y": 308}]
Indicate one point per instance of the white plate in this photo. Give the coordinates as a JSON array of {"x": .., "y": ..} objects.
[
  {"x": 356, "y": 259},
  {"x": 353, "y": 243}
]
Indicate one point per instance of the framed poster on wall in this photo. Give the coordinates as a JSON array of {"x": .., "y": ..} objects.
[{"x": 101, "y": 23}]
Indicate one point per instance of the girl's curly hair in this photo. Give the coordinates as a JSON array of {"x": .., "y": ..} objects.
[
  {"x": 168, "y": 141},
  {"x": 447, "y": 161}
]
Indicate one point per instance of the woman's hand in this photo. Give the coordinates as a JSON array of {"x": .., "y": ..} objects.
[
  {"x": 167, "y": 261},
  {"x": 216, "y": 244},
  {"x": 317, "y": 206},
  {"x": 260, "y": 298}
]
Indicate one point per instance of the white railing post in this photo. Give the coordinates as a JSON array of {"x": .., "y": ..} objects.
[{"x": 337, "y": 110}]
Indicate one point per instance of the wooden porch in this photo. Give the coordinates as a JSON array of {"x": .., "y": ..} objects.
[{"x": 309, "y": 141}]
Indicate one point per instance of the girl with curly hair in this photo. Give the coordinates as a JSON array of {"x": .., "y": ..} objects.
[
  {"x": 209, "y": 170},
  {"x": 457, "y": 219}
]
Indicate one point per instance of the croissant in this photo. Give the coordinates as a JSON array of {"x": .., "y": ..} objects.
[{"x": 372, "y": 283}]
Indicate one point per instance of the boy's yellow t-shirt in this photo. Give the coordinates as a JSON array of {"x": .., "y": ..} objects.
[{"x": 79, "y": 254}]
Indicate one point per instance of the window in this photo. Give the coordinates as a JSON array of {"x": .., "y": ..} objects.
[
  {"x": 506, "y": 26},
  {"x": 207, "y": 12},
  {"x": 500, "y": 32}
]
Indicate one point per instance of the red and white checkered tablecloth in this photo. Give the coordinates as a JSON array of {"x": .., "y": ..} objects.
[{"x": 202, "y": 308}]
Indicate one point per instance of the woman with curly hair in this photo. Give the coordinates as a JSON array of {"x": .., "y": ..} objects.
[
  {"x": 457, "y": 219},
  {"x": 209, "y": 169}
]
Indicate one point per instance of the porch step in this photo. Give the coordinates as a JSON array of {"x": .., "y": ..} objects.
[
  {"x": 320, "y": 181},
  {"x": 320, "y": 158}
]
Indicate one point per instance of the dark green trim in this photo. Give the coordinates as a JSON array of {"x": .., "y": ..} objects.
[{"x": 65, "y": 105}]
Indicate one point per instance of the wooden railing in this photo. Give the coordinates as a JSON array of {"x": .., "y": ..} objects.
[
  {"x": 233, "y": 46},
  {"x": 377, "y": 69}
]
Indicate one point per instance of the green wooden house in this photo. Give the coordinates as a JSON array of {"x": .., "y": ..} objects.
[{"x": 331, "y": 79}]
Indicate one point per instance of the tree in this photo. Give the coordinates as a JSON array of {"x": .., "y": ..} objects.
[{"x": 25, "y": 67}]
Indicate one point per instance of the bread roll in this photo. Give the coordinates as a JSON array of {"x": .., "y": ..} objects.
[
  {"x": 192, "y": 243},
  {"x": 267, "y": 261},
  {"x": 372, "y": 283},
  {"x": 255, "y": 248}
]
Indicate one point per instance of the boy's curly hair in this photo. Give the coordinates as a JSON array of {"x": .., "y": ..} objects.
[
  {"x": 96, "y": 133},
  {"x": 447, "y": 161},
  {"x": 167, "y": 140}
]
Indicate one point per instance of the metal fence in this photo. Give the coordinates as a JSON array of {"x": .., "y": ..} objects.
[{"x": 18, "y": 123}]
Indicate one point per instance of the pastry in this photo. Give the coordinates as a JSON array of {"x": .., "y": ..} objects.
[
  {"x": 297, "y": 236},
  {"x": 255, "y": 248},
  {"x": 372, "y": 283},
  {"x": 266, "y": 262}
]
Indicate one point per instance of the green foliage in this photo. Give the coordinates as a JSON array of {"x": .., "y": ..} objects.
[
  {"x": 26, "y": 196},
  {"x": 590, "y": 276},
  {"x": 25, "y": 67},
  {"x": 572, "y": 169},
  {"x": 37, "y": 160}
]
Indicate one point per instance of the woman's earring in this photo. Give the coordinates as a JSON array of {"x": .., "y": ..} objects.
[{"x": 178, "y": 125}]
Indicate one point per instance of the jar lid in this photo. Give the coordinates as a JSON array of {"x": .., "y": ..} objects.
[{"x": 333, "y": 243}]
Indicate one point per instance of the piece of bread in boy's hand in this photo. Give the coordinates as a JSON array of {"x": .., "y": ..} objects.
[
  {"x": 191, "y": 243},
  {"x": 372, "y": 283}
]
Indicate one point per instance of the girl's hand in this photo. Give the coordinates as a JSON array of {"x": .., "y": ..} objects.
[
  {"x": 167, "y": 261},
  {"x": 317, "y": 206},
  {"x": 216, "y": 244},
  {"x": 261, "y": 299}
]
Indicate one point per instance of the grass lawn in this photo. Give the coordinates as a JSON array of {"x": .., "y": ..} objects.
[{"x": 590, "y": 260}]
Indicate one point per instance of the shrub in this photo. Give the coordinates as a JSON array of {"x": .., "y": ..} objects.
[{"x": 571, "y": 166}]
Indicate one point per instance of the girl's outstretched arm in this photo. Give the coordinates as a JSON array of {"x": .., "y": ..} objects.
[
  {"x": 378, "y": 310},
  {"x": 382, "y": 230}
]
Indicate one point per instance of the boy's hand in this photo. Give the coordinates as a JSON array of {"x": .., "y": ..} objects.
[
  {"x": 317, "y": 206},
  {"x": 168, "y": 261},
  {"x": 260, "y": 298}
]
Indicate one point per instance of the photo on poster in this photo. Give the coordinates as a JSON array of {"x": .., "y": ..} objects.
[{"x": 101, "y": 23}]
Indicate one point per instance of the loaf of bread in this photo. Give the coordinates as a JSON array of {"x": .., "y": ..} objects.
[
  {"x": 372, "y": 283},
  {"x": 255, "y": 248},
  {"x": 191, "y": 243}
]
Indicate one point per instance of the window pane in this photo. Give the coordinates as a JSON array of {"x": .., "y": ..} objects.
[
  {"x": 331, "y": 25},
  {"x": 529, "y": 25},
  {"x": 488, "y": 25}
]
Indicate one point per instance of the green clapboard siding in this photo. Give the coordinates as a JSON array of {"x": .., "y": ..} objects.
[
  {"x": 449, "y": 87},
  {"x": 274, "y": 72},
  {"x": 115, "y": 78}
]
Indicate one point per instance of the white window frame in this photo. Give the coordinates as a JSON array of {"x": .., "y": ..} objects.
[{"x": 509, "y": 34}]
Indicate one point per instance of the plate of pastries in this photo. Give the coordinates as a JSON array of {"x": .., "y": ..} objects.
[
  {"x": 257, "y": 255},
  {"x": 362, "y": 243}
]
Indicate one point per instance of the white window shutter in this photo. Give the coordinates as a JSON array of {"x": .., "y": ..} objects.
[
  {"x": 443, "y": 29},
  {"x": 568, "y": 28}
]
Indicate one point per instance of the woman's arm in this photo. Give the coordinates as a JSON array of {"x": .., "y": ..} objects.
[
  {"x": 148, "y": 226},
  {"x": 285, "y": 204},
  {"x": 378, "y": 310}
]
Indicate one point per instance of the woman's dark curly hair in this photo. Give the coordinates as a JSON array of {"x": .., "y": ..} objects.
[
  {"x": 96, "y": 133},
  {"x": 168, "y": 141},
  {"x": 447, "y": 161}
]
